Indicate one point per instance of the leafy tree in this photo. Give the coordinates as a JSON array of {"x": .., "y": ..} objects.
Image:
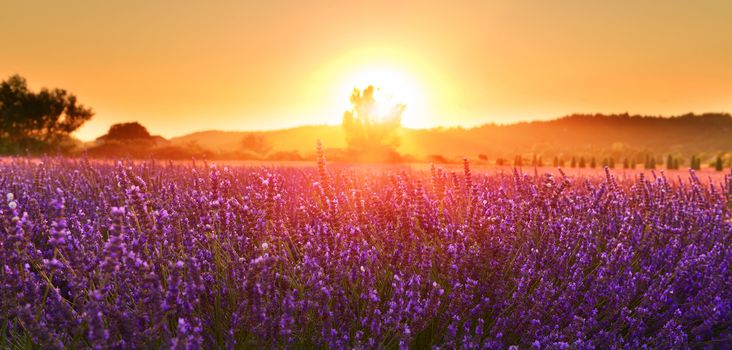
[
  {"x": 573, "y": 163},
  {"x": 255, "y": 143},
  {"x": 695, "y": 163},
  {"x": 371, "y": 127},
  {"x": 718, "y": 164},
  {"x": 582, "y": 162},
  {"x": 132, "y": 140},
  {"x": 37, "y": 121},
  {"x": 126, "y": 131}
]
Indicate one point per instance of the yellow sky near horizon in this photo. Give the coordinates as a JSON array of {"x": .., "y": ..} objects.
[{"x": 183, "y": 66}]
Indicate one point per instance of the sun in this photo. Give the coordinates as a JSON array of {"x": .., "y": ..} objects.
[
  {"x": 401, "y": 75},
  {"x": 393, "y": 86}
]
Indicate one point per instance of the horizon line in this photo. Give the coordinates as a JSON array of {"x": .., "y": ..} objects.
[{"x": 517, "y": 122}]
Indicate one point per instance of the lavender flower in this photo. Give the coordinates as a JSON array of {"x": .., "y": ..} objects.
[{"x": 130, "y": 255}]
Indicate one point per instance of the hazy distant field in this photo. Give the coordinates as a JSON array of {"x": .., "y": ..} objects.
[{"x": 705, "y": 174}]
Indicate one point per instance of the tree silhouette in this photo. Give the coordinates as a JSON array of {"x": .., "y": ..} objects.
[
  {"x": 126, "y": 131},
  {"x": 517, "y": 161},
  {"x": 37, "y": 122},
  {"x": 256, "y": 143},
  {"x": 370, "y": 127},
  {"x": 695, "y": 162},
  {"x": 718, "y": 164}
]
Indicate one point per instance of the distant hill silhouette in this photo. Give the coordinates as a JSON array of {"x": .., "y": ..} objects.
[
  {"x": 589, "y": 135},
  {"x": 621, "y": 135},
  {"x": 301, "y": 139}
]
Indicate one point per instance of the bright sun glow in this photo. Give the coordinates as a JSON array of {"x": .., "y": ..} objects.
[
  {"x": 393, "y": 86},
  {"x": 385, "y": 103},
  {"x": 400, "y": 75}
]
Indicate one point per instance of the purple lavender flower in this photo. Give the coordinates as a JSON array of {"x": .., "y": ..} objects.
[{"x": 130, "y": 255}]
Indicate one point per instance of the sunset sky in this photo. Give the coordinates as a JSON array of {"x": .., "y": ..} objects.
[{"x": 181, "y": 66}]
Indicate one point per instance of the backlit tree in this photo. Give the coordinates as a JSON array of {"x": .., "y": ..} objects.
[
  {"x": 372, "y": 125},
  {"x": 37, "y": 121}
]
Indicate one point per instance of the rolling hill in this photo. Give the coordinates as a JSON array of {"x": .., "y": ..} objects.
[{"x": 619, "y": 135}]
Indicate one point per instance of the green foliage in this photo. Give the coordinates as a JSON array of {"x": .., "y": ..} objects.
[{"x": 37, "y": 122}]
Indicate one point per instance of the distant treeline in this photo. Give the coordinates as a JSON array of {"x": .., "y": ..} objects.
[
  {"x": 42, "y": 123},
  {"x": 132, "y": 140},
  {"x": 601, "y": 136},
  {"x": 635, "y": 138},
  {"x": 689, "y": 141},
  {"x": 719, "y": 163}
]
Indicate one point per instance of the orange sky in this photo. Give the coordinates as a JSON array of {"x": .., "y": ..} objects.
[{"x": 181, "y": 66}]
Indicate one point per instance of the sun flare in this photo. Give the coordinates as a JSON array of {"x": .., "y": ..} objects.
[
  {"x": 404, "y": 76},
  {"x": 393, "y": 86}
]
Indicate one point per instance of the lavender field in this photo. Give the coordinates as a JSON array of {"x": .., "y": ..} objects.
[{"x": 186, "y": 256}]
